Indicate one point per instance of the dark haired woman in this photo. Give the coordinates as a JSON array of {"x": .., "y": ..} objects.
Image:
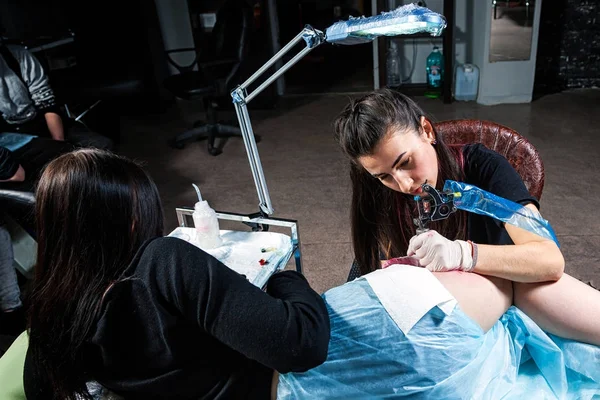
[
  {"x": 147, "y": 316},
  {"x": 394, "y": 149}
]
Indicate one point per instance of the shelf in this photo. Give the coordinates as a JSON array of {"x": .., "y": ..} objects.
[{"x": 447, "y": 37}]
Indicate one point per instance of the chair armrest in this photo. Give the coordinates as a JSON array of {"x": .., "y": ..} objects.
[
  {"x": 179, "y": 67},
  {"x": 20, "y": 206}
]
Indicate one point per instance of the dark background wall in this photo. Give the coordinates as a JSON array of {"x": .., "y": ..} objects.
[
  {"x": 115, "y": 40},
  {"x": 569, "y": 46}
]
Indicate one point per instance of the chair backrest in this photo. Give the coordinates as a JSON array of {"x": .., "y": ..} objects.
[
  {"x": 519, "y": 152},
  {"x": 230, "y": 35}
]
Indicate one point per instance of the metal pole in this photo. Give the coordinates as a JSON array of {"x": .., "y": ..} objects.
[
  {"x": 376, "y": 83},
  {"x": 258, "y": 174},
  {"x": 275, "y": 45}
]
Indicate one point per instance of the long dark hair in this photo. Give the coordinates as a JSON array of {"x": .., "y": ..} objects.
[
  {"x": 94, "y": 210},
  {"x": 381, "y": 218}
]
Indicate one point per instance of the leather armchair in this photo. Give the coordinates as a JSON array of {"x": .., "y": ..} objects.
[{"x": 519, "y": 152}]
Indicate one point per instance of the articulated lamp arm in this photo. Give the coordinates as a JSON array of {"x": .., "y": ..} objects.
[
  {"x": 405, "y": 20},
  {"x": 241, "y": 98}
]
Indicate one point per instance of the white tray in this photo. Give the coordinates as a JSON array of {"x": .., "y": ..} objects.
[{"x": 241, "y": 251}]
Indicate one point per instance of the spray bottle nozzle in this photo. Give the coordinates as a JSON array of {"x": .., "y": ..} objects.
[{"x": 197, "y": 192}]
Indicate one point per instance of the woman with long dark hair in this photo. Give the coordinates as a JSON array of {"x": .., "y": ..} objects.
[
  {"x": 382, "y": 218},
  {"x": 394, "y": 149},
  {"x": 148, "y": 316}
]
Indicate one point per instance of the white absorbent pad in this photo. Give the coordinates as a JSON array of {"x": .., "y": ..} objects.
[{"x": 407, "y": 293}]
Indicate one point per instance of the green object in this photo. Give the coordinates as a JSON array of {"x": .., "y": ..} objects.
[
  {"x": 435, "y": 73},
  {"x": 11, "y": 369}
]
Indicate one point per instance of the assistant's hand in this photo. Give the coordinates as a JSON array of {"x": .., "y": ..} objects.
[{"x": 436, "y": 253}]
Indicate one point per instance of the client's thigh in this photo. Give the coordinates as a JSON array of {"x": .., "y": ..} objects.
[
  {"x": 484, "y": 299},
  {"x": 568, "y": 307}
]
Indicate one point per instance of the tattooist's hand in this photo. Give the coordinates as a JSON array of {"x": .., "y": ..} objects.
[{"x": 436, "y": 253}]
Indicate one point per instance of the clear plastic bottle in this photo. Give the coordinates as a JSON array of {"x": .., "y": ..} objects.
[
  {"x": 394, "y": 75},
  {"x": 207, "y": 226},
  {"x": 466, "y": 82},
  {"x": 435, "y": 73}
]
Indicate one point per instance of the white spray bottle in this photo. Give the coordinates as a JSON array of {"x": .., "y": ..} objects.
[{"x": 206, "y": 223}]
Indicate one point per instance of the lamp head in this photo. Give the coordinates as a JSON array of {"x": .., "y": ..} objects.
[{"x": 404, "y": 20}]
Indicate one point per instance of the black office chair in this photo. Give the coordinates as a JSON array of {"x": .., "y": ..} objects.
[
  {"x": 218, "y": 65},
  {"x": 19, "y": 206}
]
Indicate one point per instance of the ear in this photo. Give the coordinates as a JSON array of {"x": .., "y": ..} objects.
[{"x": 428, "y": 132}]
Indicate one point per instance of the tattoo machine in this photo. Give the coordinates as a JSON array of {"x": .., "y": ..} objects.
[{"x": 433, "y": 206}]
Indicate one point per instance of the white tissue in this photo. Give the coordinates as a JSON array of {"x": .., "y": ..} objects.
[{"x": 408, "y": 293}]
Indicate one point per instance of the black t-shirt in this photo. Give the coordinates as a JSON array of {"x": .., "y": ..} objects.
[
  {"x": 182, "y": 325},
  {"x": 491, "y": 172}
]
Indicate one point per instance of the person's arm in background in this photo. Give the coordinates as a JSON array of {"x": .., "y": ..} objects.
[
  {"x": 41, "y": 93},
  {"x": 55, "y": 125},
  {"x": 10, "y": 169}
]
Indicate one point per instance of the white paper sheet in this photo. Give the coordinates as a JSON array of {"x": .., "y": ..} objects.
[{"x": 408, "y": 293}]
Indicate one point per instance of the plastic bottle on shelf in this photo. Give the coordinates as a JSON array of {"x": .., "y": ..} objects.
[
  {"x": 435, "y": 73},
  {"x": 466, "y": 82},
  {"x": 394, "y": 75}
]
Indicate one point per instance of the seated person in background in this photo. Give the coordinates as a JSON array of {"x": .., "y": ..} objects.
[
  {"x": 12, "y": 314},
  {"x": 19, "y": 170},
  {"x": 148, "y": 316},
  {"x": 28, "y": 104},
  {"x": 22, "y": 158}
]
